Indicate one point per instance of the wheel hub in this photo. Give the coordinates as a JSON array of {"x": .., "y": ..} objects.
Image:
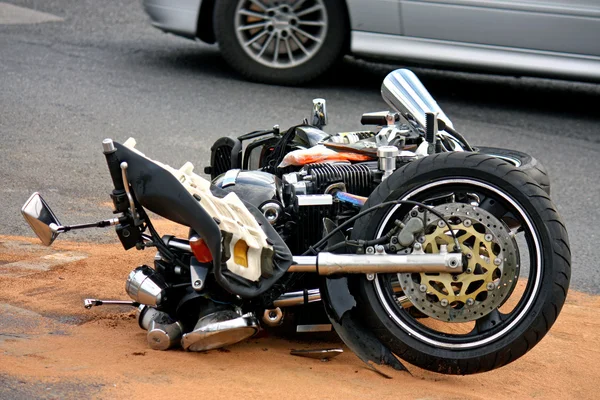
[
  {"x": 488, "y": 277},
  {"x": 281, "y": 35}
]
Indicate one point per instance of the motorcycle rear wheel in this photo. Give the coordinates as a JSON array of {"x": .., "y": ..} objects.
[
  {"x": 523, "y": 161},
  {"x": 498, "y": 338}
]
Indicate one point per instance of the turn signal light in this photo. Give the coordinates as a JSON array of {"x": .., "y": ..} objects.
[
  {"x": 200, "y": 249},
  {"x": 240, "y": 253}
]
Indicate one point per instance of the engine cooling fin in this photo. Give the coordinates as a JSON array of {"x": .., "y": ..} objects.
[{"x": 357, "y": 177}]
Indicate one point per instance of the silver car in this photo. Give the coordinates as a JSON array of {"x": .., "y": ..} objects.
[{"x": 293, "y": 41}]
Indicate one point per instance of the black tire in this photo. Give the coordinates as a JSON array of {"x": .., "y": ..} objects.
[
  {"x": 535, "y": 318},
  {"x": 331, "y": 50},
  {"x": 524, "y": 162}
]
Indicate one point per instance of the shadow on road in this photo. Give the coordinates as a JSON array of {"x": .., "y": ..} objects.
[{"x": 538, "y": 96}]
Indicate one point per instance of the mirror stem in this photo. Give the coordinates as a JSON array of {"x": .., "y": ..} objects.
[{"x": 102, "y": 224}]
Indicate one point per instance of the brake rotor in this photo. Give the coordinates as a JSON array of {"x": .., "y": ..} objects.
[{"x": 489, "y": 274}]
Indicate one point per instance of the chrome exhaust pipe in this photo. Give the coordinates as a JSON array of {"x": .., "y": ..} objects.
[
  {"x": 292, "y": 299},
  {"x": 330, "y": 264},
  {"x": 298, "y": 298}
]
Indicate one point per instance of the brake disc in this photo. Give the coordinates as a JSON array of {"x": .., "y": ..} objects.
[{"x": 489, "y": 275}]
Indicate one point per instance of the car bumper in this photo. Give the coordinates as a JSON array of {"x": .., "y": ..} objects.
[{"x": 179, "y": 17}]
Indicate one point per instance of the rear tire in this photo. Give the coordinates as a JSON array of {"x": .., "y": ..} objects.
[
  {"x": 546, "y": 289},
  {"x": 523, "y": 162}
]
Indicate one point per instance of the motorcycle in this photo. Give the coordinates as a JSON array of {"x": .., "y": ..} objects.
[{"x": 407, "y": 240}]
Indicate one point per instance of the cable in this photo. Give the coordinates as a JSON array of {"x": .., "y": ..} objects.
[
  {"x": 374, "y": 208},
  {"x": 458, "y": 136}
]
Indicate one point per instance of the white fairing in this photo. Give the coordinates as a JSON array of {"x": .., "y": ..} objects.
[{"x": 233, "y": 214}]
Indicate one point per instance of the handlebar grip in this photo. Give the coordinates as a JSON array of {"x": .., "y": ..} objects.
[
  {"x": 110, "y": 152},
  {"x": 119, "y": 196}
]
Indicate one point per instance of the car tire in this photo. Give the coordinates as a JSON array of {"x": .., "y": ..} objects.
[{"x": 295, "y": 63}]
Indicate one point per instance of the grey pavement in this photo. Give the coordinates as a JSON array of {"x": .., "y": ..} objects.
[{"x": 100, "y": 70}]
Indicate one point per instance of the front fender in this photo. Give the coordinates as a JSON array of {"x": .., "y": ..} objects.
[{"x": 340, "y": 307}]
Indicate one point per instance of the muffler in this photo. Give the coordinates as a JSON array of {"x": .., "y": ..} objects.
[
  {"x": 329, "y": 264},
  {"x": 220, "y": 329}
]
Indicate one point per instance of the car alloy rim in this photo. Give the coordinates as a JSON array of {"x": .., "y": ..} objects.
[{"x": 281, "y": 34}]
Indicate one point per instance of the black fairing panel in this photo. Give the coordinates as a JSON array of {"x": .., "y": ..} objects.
[
  {"x": 157, "y": 190},
  {"x": 340, "y": 307}
]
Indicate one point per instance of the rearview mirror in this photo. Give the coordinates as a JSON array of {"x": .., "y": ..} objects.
[
  {"x": 41, "y": 219},
  {"x": 405, "y": 93}
]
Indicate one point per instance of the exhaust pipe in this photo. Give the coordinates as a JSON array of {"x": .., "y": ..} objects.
[{"x": 330, "y": 264}]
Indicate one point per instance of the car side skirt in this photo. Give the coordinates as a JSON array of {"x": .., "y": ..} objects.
[{"x": 504, "y": 60}]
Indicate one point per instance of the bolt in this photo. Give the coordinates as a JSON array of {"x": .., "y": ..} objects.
[
  {"x": 443, "y": 302},
  {"x": 490, "y": 286},
  {"x": 497, "y": 261},
  {"x": 469, "y": 256},
  {"x": 453, "y": 263},
  {"x": 379, "y": 249},
  {"x": 394, "y": 240},
  {"x": 418, "y": 246},
  {"x": 467, "y": 223},
  {"x": 441, "y": 223},
  {"x": 470, "y": 302},
  {"x": 370, "y": 250},
  {"x": 454, "y": 278},
  {"x": 488, "y": 237},
  {"x": 197, "y": 283},
  {"x": 423, "y": 288},
  {"x": 421, "y": 239},
  {"x": 370, "y": 277},
  {"x": 469, "y": 270},
  {"x": 393, "y": 248}
]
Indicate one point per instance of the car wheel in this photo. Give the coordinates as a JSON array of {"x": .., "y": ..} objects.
[{"x": 281, "y": 42}]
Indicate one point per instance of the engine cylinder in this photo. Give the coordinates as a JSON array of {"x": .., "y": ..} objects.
[{"x": 357, "y": 177}]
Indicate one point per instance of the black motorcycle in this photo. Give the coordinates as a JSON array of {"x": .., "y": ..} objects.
[{"x": 404, "y": 238}]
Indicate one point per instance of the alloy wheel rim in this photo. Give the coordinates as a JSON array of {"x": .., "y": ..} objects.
[
  {"x": 281, "y": 34},
  {"x": 525, "y": 304}
]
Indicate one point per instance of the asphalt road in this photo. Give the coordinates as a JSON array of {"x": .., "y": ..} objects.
[{"x": 103, "y": 71}]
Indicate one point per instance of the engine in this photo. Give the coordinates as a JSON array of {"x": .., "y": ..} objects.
[{"x": 296, "y": 204}]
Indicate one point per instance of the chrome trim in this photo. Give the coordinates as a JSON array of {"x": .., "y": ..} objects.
[
  {"x": 164, "y": 336},
  {"x": 492, "y": 58},
  {"x": 404, "y": 92},
  {"x": 330, "y": 264},
  {"x": 314, "y": 328},
  {"x": 145, "y": 286},
  {"x": 297, "y": 298},
  {"x": 134, "y": 213},
  {"x": 41, "y": 219},
  {"x": 538, "y": 267},
  {"x": 230, "y": 178},
  {"x": 273, "y": 317},
  {"x": 108, "y": 146},
  {"x": 314, "y": 200},
  {"x": 217, "y": 330}
]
